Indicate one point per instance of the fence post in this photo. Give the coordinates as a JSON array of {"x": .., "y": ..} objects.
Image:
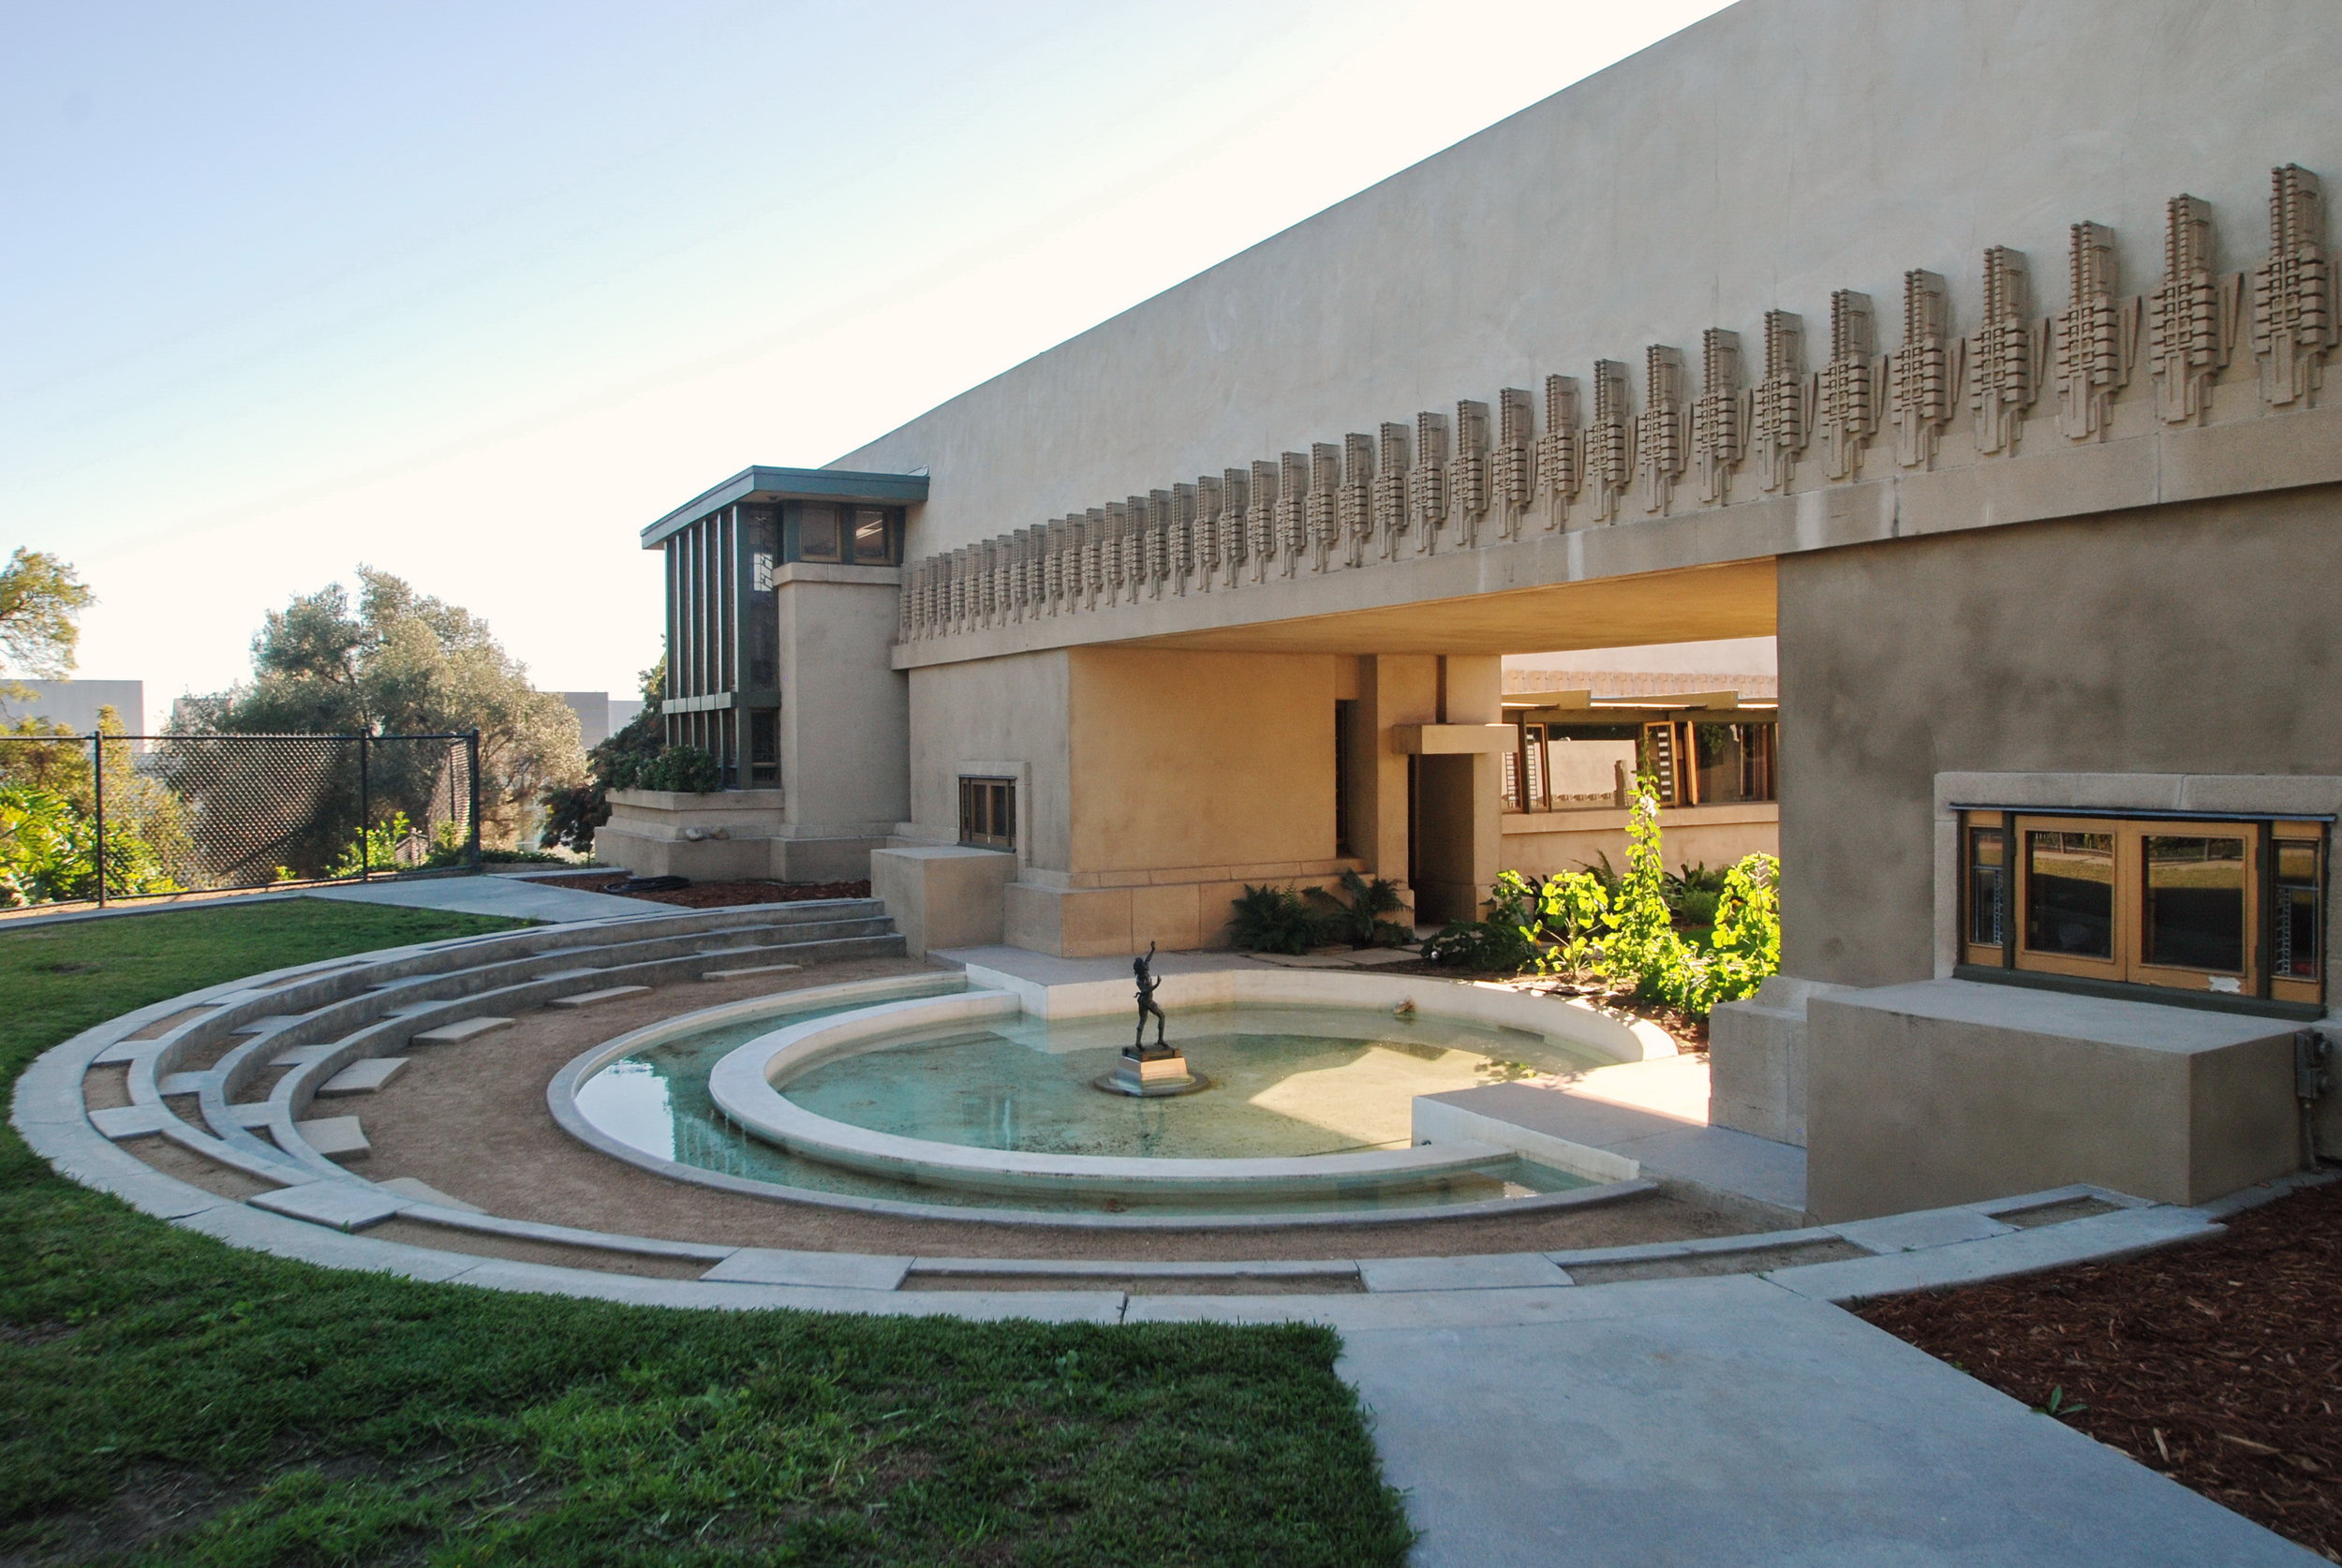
[
  {"x": 365, "y": 808},
  {"x": 98, "y": 793},
  {"x": 471, "y": 748}
]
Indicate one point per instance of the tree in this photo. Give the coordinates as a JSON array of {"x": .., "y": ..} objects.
[
  {"x": 399, "y": 663},
  {"x": 41, "y": 600}
]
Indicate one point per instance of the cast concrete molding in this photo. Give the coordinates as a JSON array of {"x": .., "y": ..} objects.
[
  {"x": 1453, "y": 740},
  {"x": 2081, "y": 358}
]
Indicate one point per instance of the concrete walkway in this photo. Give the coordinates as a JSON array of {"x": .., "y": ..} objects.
[
  {"x": 512, "y": 896},
  {"x": 1726, "y": 1421},
  {"x": 1656, "y": 1112}
]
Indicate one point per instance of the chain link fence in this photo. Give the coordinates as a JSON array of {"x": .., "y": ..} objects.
[{"x": 104, "y": 817}]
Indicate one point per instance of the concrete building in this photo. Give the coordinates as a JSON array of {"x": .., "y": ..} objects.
[
  {"x": 1976, "y": 352},
  {"x": 75, "y": 703}
]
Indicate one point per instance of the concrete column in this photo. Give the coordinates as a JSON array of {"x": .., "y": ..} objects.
[
  {"x": 1459, "y": 799},
  {"x": 1393, "y": 689}
]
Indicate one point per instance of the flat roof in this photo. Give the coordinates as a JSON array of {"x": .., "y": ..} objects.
[{"x": 762, "y": 484}]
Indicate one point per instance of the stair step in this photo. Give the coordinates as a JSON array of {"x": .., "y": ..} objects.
[
  {"x": 335, "y": 1137},
  {"x": 595, "y": 998},
  {"x": 457, "y": 1033},
  {"x": 363, "y": 1077},
  {"x": 752, "y": 969}
]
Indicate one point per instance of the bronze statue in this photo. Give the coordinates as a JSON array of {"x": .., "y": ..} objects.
[{"x": 1147, "y": 1004}]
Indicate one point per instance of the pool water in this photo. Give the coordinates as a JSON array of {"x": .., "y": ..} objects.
[{"x": 1284, "y": 1082}]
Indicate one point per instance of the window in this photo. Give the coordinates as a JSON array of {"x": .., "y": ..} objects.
[
  {"x": 2225, "y": 907},
  {"x": 987, "y": 813},
  {"x": 874, "y": 536},
  {"x": 1987, "y": 893},
  {"x": 816, "y": 533},
  {"x": 763, "y": 748}
]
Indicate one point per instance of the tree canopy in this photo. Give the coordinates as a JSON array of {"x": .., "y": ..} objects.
[
  {"x": 41, "y": 600},
  {"x": 400, "y": 662}
]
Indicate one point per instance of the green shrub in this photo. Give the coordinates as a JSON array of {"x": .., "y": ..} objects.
[
  {"x": 685, "y": 770},
  {"x": 1504, "y": 943},
  {"x": 1358, "y": 919},
  {"x": 1275, "y": 920}
]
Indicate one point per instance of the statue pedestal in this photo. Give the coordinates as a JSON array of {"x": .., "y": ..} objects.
[{"x": 1152, "y": 1073}]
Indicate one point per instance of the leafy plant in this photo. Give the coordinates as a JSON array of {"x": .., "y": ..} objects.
[
  {"x": 1358, "y": 919},
  {"x": 1505, "y": 943},
  {"x": 1747, "y": 939},
  {"x": 680, "y": 769},
  {"x": 1275, "y": 920},
  {"x": 49, "y": 852},
  {"x": 1571, "y": 906}
]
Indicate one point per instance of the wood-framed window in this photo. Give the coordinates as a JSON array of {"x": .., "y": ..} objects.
[
  {"x": 2220, "y": 905},
  {"x": 847, "y": 535},
  {"x": 988, "y": 812}
]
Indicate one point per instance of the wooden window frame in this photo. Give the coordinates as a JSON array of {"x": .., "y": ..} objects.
[
  {"x": 2127, "y": 968},
  {"x": 988, "y": 811}
]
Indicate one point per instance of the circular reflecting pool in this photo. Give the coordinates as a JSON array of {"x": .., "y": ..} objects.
[{"x": 1286, "y": 1082}]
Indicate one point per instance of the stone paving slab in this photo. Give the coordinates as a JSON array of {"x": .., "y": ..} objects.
[
  {"x": 364, "y": 1078},
  {"x": 1487, "y": 1271},
  {"x": 131, "y": 1121},
  {"x": 461, "y": 1030},
  {"x": 754, "y": 969},
  {"x": 341, "y": 1205},
  {"x": 1766, "y": 1431},
  {"x": 2100, "y": 1238},
  {"x": 595, "y": 998},
  {"x": 172, "y": 1084},
  {"x": 423, "y": 1192},
  {"x": 335, "y": 1137},
  {"x": 772, "y": 1265},
  {"x": 1927, "y": 1227}
]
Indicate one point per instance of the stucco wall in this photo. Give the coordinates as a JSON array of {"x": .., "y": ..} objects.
[
  {"x": 844, "y": 712},
  {"x": 994, "y": 710},
  {"x": 1200, "y": 759},
  {"x": 2203, "y": 638},
  {"x": 1761, "y": 158}
]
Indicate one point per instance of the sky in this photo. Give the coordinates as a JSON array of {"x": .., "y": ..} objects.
[{"x": 473, "y": 292}]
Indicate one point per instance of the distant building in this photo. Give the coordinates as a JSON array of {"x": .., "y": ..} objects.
[
  {"x": 600, "y": 715},
  {"x": 593, "y": 715},
  {"x": 74, "y": 703}
]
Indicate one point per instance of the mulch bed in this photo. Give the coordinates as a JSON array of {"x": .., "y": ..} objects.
[
  {"x": 713, "y": 895},
  {"x": 2213, "y": 1363}
]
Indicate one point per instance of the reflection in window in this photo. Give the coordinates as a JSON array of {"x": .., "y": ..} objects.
[
  {"x": 816, "y": 533},
  {"x": 2195, "y": 910},
  {"x": 2299, "y": 897},
  {"x": 874, "y": 544},
  {"x": 2069, "y": 893},
  {"x": 1988, "y": 886}
]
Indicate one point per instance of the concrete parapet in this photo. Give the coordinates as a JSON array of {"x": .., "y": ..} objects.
[
  {"x": 1756, "y": 1060},
  {"x": 942, "y": 895},
  {"x": 728, "y": 835},
  {"x": 1950, "y": 1092}
]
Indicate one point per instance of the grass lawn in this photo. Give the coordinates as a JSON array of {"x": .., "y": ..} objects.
[{"x": 166, "y": 1398}]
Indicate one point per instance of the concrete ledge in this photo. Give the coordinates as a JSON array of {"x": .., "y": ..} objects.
[
  {"x": 1950, "y": 1092},
  {"x": 2101, "y": 1238}
]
